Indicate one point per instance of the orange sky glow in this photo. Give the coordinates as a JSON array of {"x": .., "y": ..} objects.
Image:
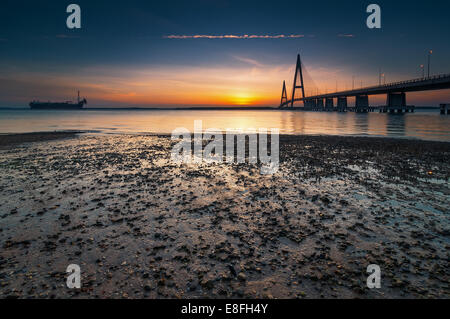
[{"x": 252, "y": 85}]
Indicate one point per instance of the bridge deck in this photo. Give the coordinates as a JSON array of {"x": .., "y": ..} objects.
[{"x": 437, "y": 82}]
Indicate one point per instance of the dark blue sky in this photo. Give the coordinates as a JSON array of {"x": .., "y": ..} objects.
[{"x": 130, "y": 35}]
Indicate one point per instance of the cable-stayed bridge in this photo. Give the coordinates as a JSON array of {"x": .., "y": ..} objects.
[{"x": 395, "y": 94}]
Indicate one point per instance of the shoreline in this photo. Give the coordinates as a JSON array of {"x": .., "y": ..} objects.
[{"x": 12, "y": 139}]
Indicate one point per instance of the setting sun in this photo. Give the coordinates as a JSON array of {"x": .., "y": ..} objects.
[{"x": 242, "y": 99}]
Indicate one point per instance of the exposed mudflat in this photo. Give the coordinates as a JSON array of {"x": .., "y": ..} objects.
[
  {"x": 9, "y": 140},
  {"x": 142, "y": 226}
]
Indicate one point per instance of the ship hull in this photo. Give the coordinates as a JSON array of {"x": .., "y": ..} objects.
[{"x": 56, "y": 106}]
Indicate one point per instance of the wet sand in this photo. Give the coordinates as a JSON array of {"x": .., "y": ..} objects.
[
  {"x": 8, "y": 140},
  {"x": 142, "y": 227}
]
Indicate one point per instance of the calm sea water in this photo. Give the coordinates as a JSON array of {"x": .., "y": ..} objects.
[{"x": 419, "y": 125}]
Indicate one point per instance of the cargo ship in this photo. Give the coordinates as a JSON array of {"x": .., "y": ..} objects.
[{"x": 68, "y": 105}]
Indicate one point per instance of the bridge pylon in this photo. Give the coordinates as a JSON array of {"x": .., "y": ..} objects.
[
  {"x": 283, "y": 95},
  {"x": 298, "y": 72}
]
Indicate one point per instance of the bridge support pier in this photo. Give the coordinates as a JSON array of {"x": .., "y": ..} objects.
[
  {"x": 342, "y": 104},
  {"x": 329, "y": 104},
  {"x": 396, "y": 103},
  {"x": 306, "y": 104},
  {"x": 445, "y": 109},
  {"x": 319, "y": 104},
  {"x": 362, "y": 104},
  {"x": 310, "y": 104}
]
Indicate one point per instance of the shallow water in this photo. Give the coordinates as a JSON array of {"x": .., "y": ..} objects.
[{"x": 420, "y": 125}]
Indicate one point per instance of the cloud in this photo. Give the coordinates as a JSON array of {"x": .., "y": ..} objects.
[
  {"x": 248, "y": 61},
  {"x": 231, "y": 36}
]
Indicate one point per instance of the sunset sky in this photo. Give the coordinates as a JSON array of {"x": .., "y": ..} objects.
[{"x": 175, "y": 53}]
